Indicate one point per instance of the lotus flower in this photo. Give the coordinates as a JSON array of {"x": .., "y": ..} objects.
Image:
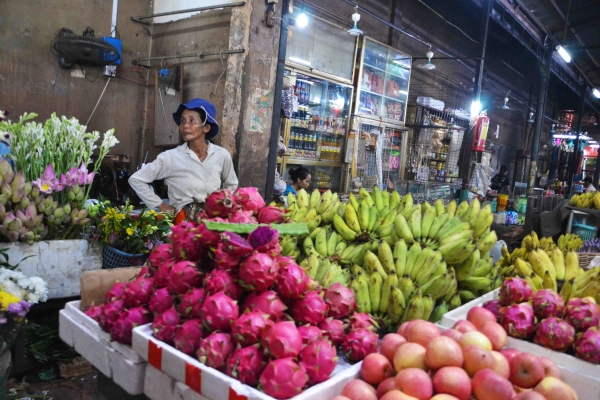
[
  {"x": 47, "y": 183},
  {"x": 83, "y": 177}
]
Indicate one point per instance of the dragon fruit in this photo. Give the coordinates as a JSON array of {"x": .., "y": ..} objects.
[
  {"x": 165, "y": 324},
  {"x": 555, "y": 334},
  {"x": 363, "y": 321},
  {"x": 206, "y": 237},
  {"x": 123, "y": 326},
  {"x": 265, "y": 303},
  {"x": 248, "y": 328},
  {"x": 359, "y": 343},
  {"x": 259, "y": 271},
  {"x": 309, "y": 333},
  {"x": 111, "y": 312},
  {"x": 138, "y": 292},
  {"x": 283, "y": 378},
  {"x": 514, "y": 291},
  {"x": 249, "y": 199},
  {"x": 340, "y": 299},
  {"x": 518, "y": 320},
  {"x": 184, "y": 237},
  {"x": 246, "y": 364},
  {"x": 587, "y": 346},
  {"x": 582, "y": 313},
  {"x": 215, "y": 349},
  {"x": 235, "y": 245},
  {"x": 494, "y": 306},
  {"x": 271, "y": 215},
  {"x": 243, "y": 217},
  {"x": 191, "y": 303},
  {"x": 547, "y": 303},
  {"x": 161, "y": 300},
  {"x": 293, "y": 283},
  {"x": 161, "y": 275},
  {"x": 188, "y": 336},
  {"x": 95, "y": 312},
  {"x": 222, "y": 281},
  {"x": 183, "y": 276},
  {"x": 334, "y": 330},
  {"x": 264, "y": 239},
  {"x": 319, "y": 359},
  {"x": 310, "y": 310},
  {"x": 145, "y": 272},
  {"x": 218, "y": 312},
  {"x": 116, "y": 292},
  {"x": 160, "y": 255},
  {"x": 282, "y": 339},
  {"x": 220, "y": 203},
  {"x": 225, "y": 261}
]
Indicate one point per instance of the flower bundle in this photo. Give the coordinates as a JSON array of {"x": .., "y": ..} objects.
[{"x": 132, "y": 233}]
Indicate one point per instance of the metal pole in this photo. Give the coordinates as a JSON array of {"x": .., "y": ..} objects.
[
  {"x": 201, "y": 54},
  {"x": 596, "y": 169},
  {"x": 575, "y": 154},
  {"x": 466, "y": 152},
  {"x": 393, "y": 22},
  {"x": 539, "y": 119},
  {"x": 198, "y": 9},
  {"x": 272, "y": 161}
]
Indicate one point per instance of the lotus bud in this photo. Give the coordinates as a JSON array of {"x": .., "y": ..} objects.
[
  {"x": 83, "y": 213},
  {"x": 28, "y": 188},
  {"x": 35, "y": 192},
  {"x": 66, "y": 219},
  {"x": 1, "y": 179},
  {"x": 38, "y": 200},
  {"x": 76, "y": 189},
  {"x": 80, "y": 196},
  {"x": 40, "y": 229},
  {"x": 3, "y": 230},
  {"x": 75, "y": 221},
  {"x": 21, "y": 216},
  {"x": 41, "y": 208},
  {"x": 6, "y": 189},
  {"x": 48, "y": 212},
  {"x": 48, "y": 202},
  {"x": 27, "y": 237},
  {"x": 2, "y": 211},
  {"x": 74, "y": 213},
  {"x": 58, "y": 221},
  {"x": 9, "y": 217},
  {"x": 13, "y": 236},
  {"x": 67, "y": 208},
  {"x": 51, "y": 219},
  {"x": 25, "y": 202},
  {"x": 39, "y": 219},
  {"x": 71, "y": 195},
  {"x": 3, "y": 199},
  {"x": 31, "y": 211},
  {"x": 15, "y": 225},
  {"x": 37, "y": 238},
  {"x": 18, "y": 182},
  {"x": 84, "y": 221},
  {"x": 16, "y": 197},
  {"x": 5, "y": 167}
]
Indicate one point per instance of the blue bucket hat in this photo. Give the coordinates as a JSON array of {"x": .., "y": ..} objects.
[{"x": 196, "y": 105}]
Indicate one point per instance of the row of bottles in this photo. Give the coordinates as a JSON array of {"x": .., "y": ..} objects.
[
  {"x": 310, "y": 146},
  {"x": 320, "y": 123}
]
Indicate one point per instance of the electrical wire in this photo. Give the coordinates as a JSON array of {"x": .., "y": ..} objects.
[
  {"x": 448, "y": 22},
  {"x": 85, "y": 75},
  {"x": 214, "y": 91},
  {"x": 98, "y": 102}
]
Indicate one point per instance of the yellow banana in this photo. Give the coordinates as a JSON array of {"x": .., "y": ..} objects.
[
  {"x": 434, "y": 285},
  {"x": 386, "y": 257},
  {"x": 466, "y": 269},
  {"x": 324, "y": 267},
  {"x": 352, "y": 200},
  {"x": 363, "y": 216},
  {"x": 321, "y": 243},
  {"x": 400, "y": 253},
  {"x": 343, "y": 229},
  {"x": 472, "y": 211},
  {"x": 299, "y": 214},
  {"x": 376, "y": 195},
  {"x": 451, "y": 209},
  {"x": 438, "y": 312},
  {"x": 390, "y": 282},
  {"x": 549, "y": 281},
  {"x": 485, "y": 226},
  {"x": 428, "y": 304},
  {"x": 523, "y": 268},
  {"x": 375, "y": 288},
  {"x": 463, "y": 226},
  {"x": 397, "y": 306},
  {"x": 402, "y": 229},
  {"x": 364, "y": 194},
  {"x": 451, "y": 288},
  {"x": 331, "y": 275},
  {"x": 308, "y": 246},
  {"x": 420, "y": 262},
  {"x": 484, "y": 267},
  {"x": 394, "y": 200},
  {"x": 451, "y": 249},
  {"x": 331, "y": 211},
  {"x": 345, "y": 254},
  {"x": 548, "y": 263},
  {"x": 314, "y": 224},
  {"x": 358, "y": 258},
  {"x": 486, "y": 242},
  {"x": 571, "y": 266},
  {"x": 373, "y": 264},
  {"x": 454, "y": 302},
  {"x": 431, "y": 267},
  {"x": 315, "y": 198},
  {"x": 373, "y": 218},
  {"x": 406, "y": 203},
  {"x": 313, "y": 263},
  {"x": 558, "y": 260},
  {"x": 414, "y": 308},
  {"x": 450, "y": 224},
  {"x": 427, "y": 221},
  {"x": 406, "y": 285},
  {"x": 302, "y": 198},
  {"x": 385, "y": 195},
  {"x": 461, "y": 209},
  {"x": 411, "y": 258},
  {"x": 437, "y": 224},
  {"x": 352, "y": 219},
  {"x": 424, "y": 207},
  {"x": 363, "y": 284},
  {"x": 310, "y": 215},
  {"x": 439, "y": 207},
  {"x": 461, "y": 235},
  {"x": 415, "y": 224},
  {"x": 332, "y": 243},
  {"x": 538, "y": 283},
  {"x": 474, "y": 284}
]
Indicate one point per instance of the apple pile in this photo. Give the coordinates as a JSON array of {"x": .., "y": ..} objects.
[{"x": 422, "y": 362}]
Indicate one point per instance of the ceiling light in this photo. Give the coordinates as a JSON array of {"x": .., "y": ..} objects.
[
  {"x": 475, "y": 109},
  {"x": 595, "y": 146},
  {"x": 596, "y": 93},
  {"x": 530, "y": 117},
  {"x": 355, "y": 18},
  {"x": 565, "y": 136},
  {"x": 429, "y": 66},
  {"x": 302, "y": 19},
  {"x": 552, "y": 129},
  {"x": 563, "y": 53},
  {"x": 593, "y": 141},
  {"x": 505, "y": 106}
]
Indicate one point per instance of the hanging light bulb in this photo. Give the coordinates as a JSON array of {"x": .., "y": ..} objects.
[
  {"x": 429, "y": 65},
  {"x": 505, "y": 106},
  {"x": 302, "y": 19},
  {"x": 552, "y": 130},
  {"x": 530, "y": 117},
  {"x": 355, "y": 18}
]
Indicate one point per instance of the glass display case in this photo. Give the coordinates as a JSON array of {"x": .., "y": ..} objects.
[
  {"x": 382, "y": 81},
  {"x": 315, "y": 135}
]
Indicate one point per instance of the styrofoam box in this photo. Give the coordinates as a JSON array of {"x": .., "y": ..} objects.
[
  {"x": 583, "y": 376},
  {"x": 115, "y": 360},
  {"x": 215, "y": 385}
]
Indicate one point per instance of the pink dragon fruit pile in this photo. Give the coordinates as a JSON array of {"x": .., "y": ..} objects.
[{"x": 544, "y": 318}]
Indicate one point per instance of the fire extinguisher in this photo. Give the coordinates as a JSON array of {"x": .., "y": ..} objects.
[{"x": 480, "y": 131}]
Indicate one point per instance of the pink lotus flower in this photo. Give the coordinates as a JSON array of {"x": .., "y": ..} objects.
[
  {"x": 48, "y": 183},
  {"x": 83, "y": 177}
]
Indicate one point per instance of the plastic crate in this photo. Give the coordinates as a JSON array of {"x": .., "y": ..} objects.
[
  {"x": 586, "y": 232},
  {"x": 113, "y": 258}
]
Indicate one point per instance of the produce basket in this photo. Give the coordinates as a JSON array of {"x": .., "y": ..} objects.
[
  {"x": 113, "y": 258},
  {"x": 586, "y": 232},
  {"x": 586, "y": 258}
]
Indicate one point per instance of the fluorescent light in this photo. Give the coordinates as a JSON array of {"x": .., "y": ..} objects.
[
  {"x": 475, "y": 108},
  {"x": 563, "y": 53},
  {"x": 565, "y": 136},
  {"x": 595, "y": 146},
  {"x": 584, "y": 137},
  {"x": 596, "y": 93},
  {"x": 299, "y": 60},
  {"x": 302, "y": 19},
  {"x": 593, "y": 141}
]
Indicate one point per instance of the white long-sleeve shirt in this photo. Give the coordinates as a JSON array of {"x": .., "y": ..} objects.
[{"x": 186, "y": 176}]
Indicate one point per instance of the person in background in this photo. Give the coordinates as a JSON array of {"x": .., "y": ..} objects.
[
  {"x": 5, "y": 142},
  {"x": 501, "y": 181},
  {"x": 587, "y": 183},
  {"x": 193, "y": 170},
  {"x": 300, "y": 178}
]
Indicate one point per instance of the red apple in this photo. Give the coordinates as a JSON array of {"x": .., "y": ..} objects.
[
  {"x": 488, "y": 385},
  {"x": 453, "y": 381},
  {"x": 414, "y": 382},
  {"x": 422, "y": 332},
  {"x": 452, "y": 333},
  {"x": 550, "y": 368},
  {"x": 554, "y": 389},
  {"x": 478, "y": 316},
  {"x": 389, "y": 345},
  {"x": 405, "y": 327},
  {"x": 475, "y": 338},
  {"x": 464, "y": 326},
  {"x": 443, "y": 351},
  {"x": 410, "y": 355},
  {"x": 530, "y": 395},
  {"x": 357, "y": 389},
  {"x": 495, "y": 333},
  {"x": 386, "y": 386},
  {"x": 375, "y": 368},
  {"x": 477, "y": 359},
  {"x": 526, "y": 370},
  {"x": 509, "y": 353},
  {"x": 397, "y": 395},
  {"x": 444, "y": 396},
  {"x": 501, "y": 366}
]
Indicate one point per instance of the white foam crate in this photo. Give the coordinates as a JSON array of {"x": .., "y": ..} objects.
[
  {"x": 215, "y": 385},
  {"x": 583, "y": 376},
  {"x": 115, "y": 360}
]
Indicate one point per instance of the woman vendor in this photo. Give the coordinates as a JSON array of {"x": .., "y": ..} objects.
[
  {"x": 300, "y": 178},
  {"x": 193, "y": 170}
]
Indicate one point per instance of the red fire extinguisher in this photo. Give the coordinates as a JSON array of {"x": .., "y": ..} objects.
[{"x": 480, "y": 131}]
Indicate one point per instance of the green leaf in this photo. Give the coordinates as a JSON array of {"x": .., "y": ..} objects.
[{"x": 283, "y": 229}]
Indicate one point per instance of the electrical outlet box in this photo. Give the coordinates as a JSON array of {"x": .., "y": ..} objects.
[{"x": 110, "y": 70}]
